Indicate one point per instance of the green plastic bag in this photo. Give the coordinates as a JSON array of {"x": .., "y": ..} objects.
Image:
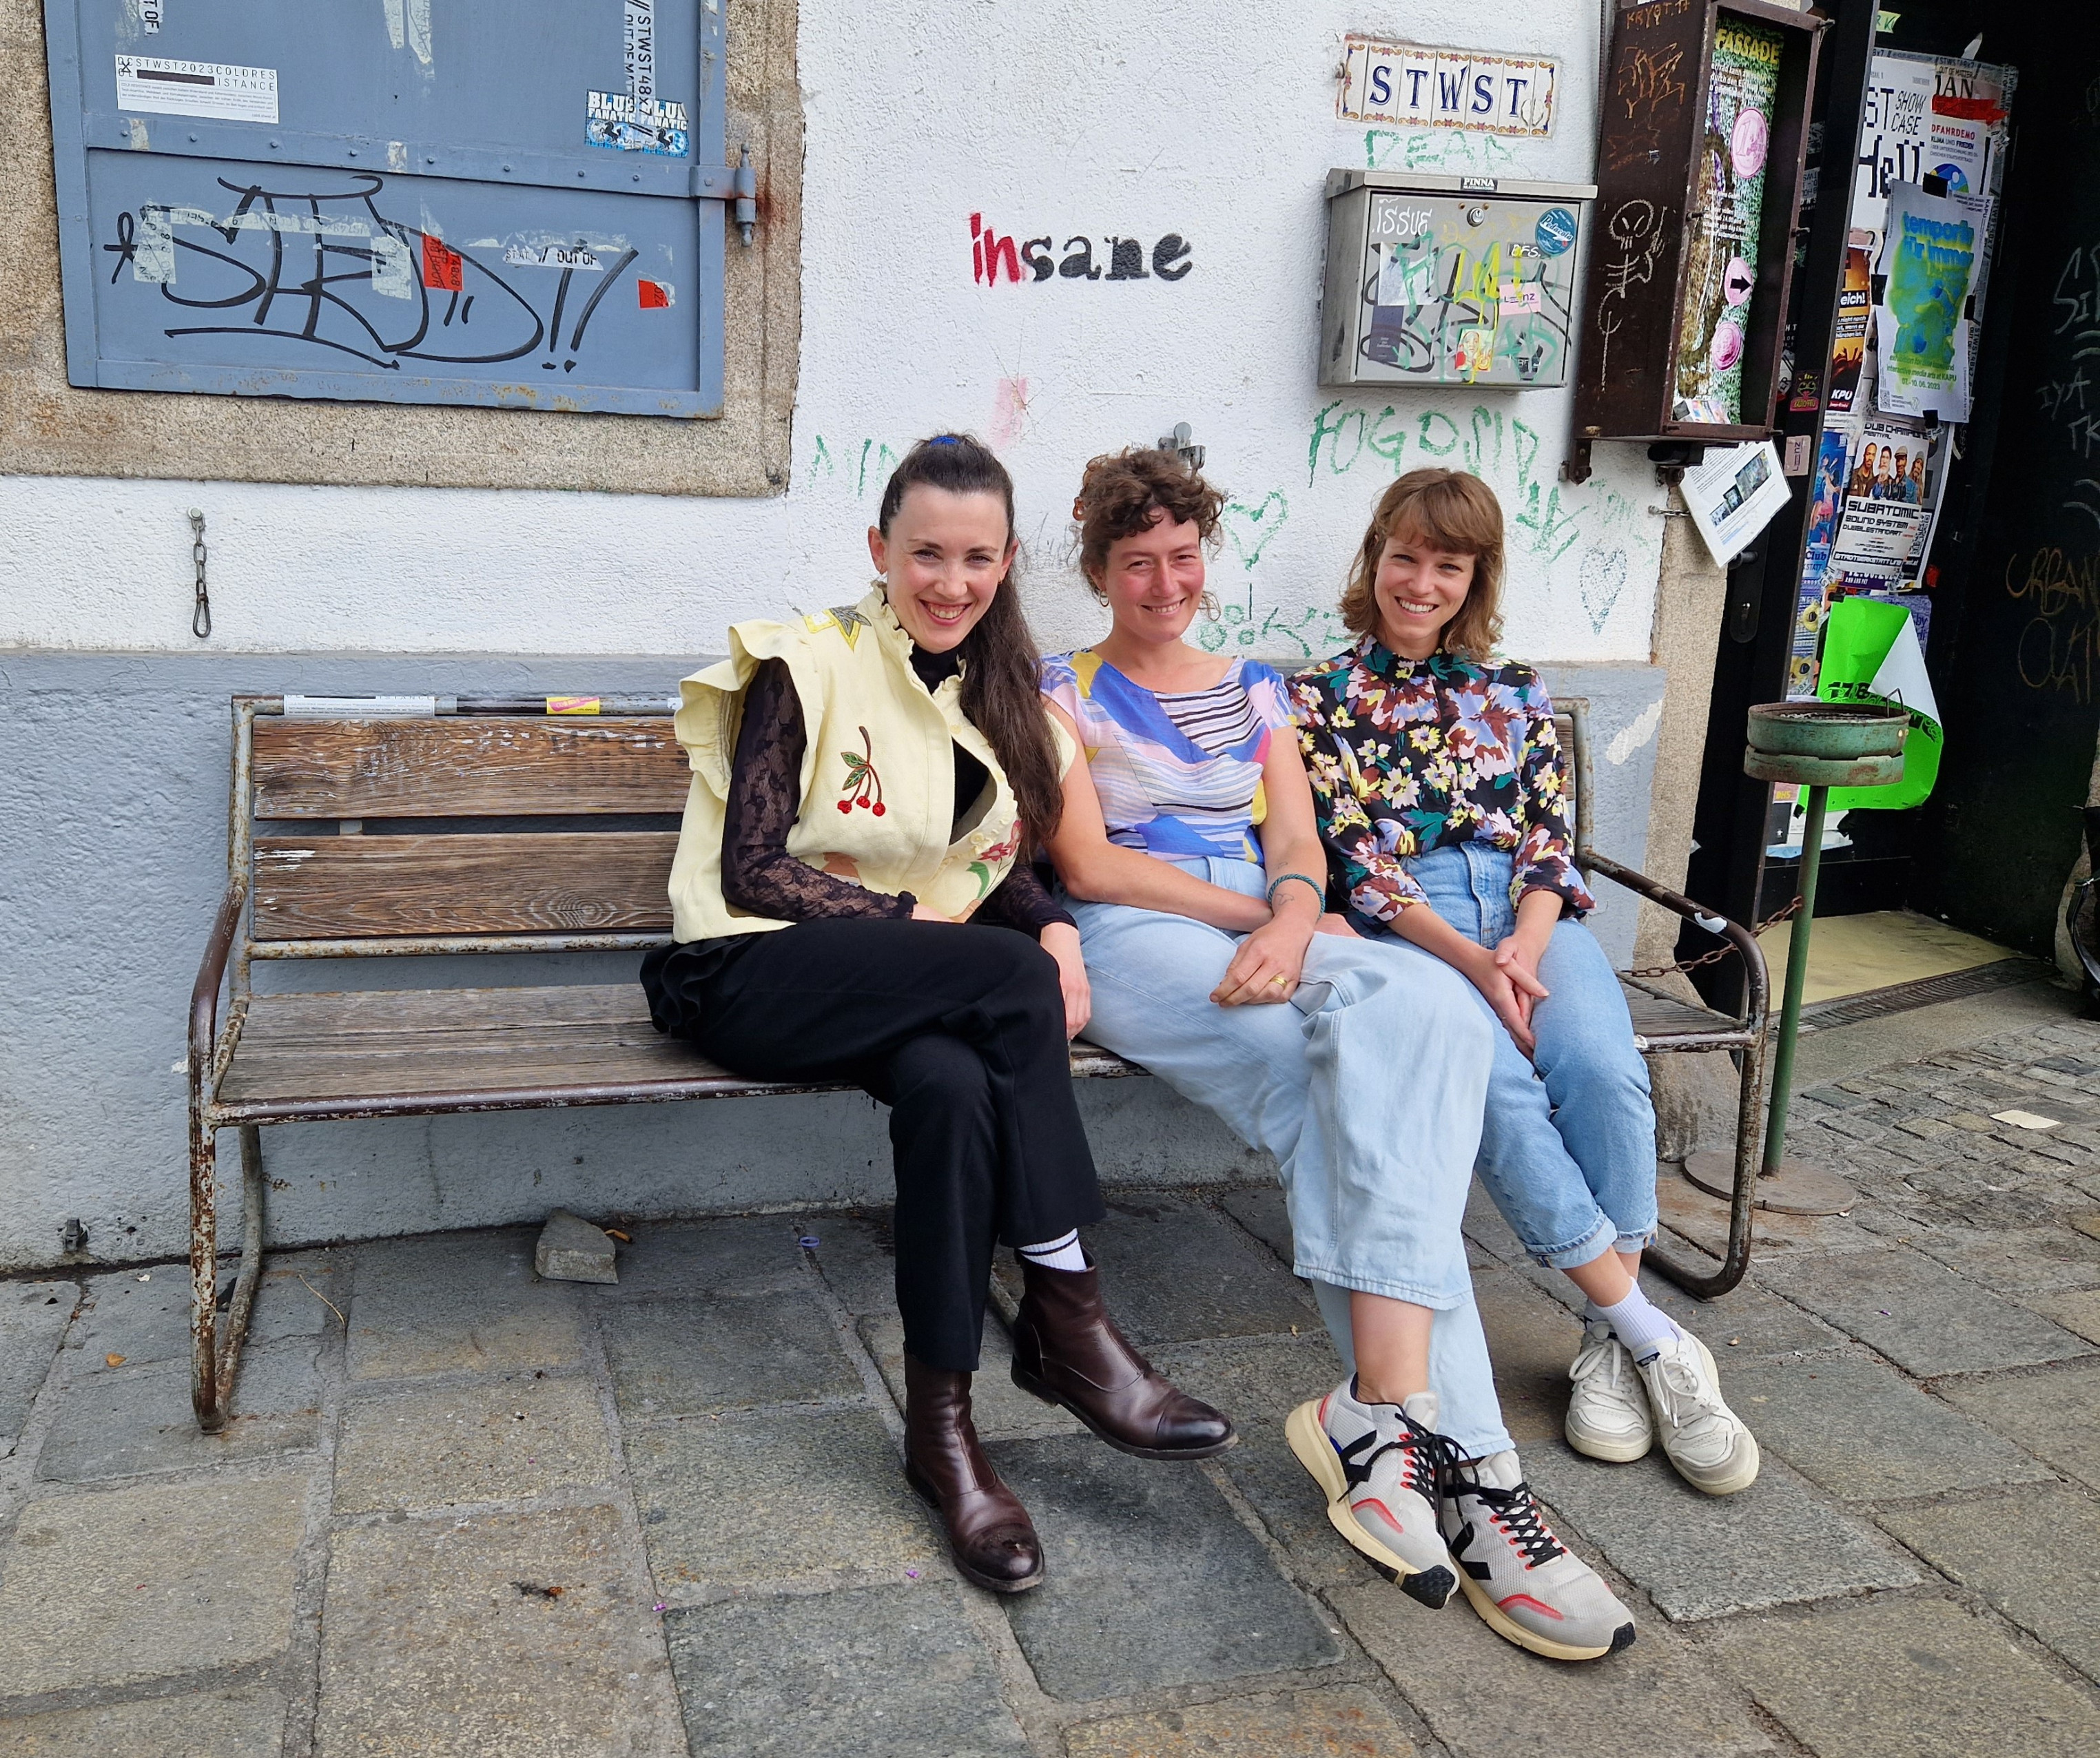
[{"x": 1858, "y": 638}]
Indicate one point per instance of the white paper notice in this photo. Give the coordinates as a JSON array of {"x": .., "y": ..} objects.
[
  {"x": 1902, "y": 676},
  {"x": 197, "y": 88},
  {"x": 1733, "y": 495}
]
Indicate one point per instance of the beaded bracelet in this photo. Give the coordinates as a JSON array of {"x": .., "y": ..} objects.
[{"x": 1319, "y": 890}]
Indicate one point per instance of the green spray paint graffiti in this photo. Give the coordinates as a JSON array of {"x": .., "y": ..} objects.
[
  {"x": 1493, "y": 446},
  {"x": 855, "y": 467},
  {"x": 1386, "y": 149}
]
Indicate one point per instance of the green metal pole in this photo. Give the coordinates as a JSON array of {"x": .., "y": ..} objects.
[{"x": 1797, "y": 976}]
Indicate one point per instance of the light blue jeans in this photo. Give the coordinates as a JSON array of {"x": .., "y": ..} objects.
[
  {"x": 1568, "y": 1148},
  {"x": 1367, "y": 1088}
]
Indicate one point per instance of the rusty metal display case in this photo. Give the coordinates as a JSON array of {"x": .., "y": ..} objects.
[{"x": 1702, "y": 137}]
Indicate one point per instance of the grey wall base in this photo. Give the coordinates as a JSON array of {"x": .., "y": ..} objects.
[{"x": 114, "y": 789}]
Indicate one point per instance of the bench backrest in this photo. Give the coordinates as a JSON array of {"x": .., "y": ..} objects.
[
  {"x": 481, "y": 831},
  {"x": 468, "y": 830}
]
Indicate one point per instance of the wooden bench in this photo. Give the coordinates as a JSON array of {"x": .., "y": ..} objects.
[{"x": 441, "y": 825}]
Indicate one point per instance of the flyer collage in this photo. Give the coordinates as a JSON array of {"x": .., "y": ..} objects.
[{"x": 1924, "y": 218}]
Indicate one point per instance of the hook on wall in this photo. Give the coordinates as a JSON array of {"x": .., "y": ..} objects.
[
  {"x": 201, "y": 615},
  {"x": 1178, "y": 442}
]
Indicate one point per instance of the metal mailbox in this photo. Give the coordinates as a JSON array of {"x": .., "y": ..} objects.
[
  {"x": 520, "y": 206},
  {"x": 1448, "y": 280}
]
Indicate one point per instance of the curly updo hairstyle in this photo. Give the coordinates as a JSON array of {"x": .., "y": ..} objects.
[
  {"x": 1443, "y": 510},
  {"x": 1122, "y": 492},
  {"x": 1000, "y": 659}
]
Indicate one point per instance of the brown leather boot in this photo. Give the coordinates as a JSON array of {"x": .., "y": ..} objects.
[
  {"x": 1067, "y": 1350},
  {"x": 989, "y": 1531}
]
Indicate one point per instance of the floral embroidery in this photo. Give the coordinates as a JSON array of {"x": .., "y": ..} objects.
[
  {"x": 863, "y": 785},
  {"x": 989, "y": 858},
  {"x": 1409, "y": 755}
]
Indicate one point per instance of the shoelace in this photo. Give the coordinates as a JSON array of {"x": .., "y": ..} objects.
[
  {"x": 1428, "y": 1460},
  {"x": 1618, "y": 1359},
  {"x": 1517, "y": 1515},
  {"x": 1681, "y": 1378}
]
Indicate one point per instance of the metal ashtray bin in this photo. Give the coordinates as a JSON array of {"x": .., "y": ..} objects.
[{"x": 1818, "y": 746}]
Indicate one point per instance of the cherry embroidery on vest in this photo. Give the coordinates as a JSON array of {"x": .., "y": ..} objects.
[{"x": 863, "y": 785}]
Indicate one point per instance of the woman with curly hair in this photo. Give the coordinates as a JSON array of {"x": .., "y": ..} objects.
[
  {"x": 1444, "y": 804},
  {"x": 865, "y": 780},
  {"x": 1188, "y": 850}
]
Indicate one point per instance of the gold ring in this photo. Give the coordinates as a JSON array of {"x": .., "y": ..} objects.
[{"x": 1275, "y": 980}]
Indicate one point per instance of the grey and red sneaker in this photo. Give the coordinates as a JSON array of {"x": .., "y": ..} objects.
[
  {"x": 1381, "y": 1467},
  {"x": 1527, "y": 1586}
]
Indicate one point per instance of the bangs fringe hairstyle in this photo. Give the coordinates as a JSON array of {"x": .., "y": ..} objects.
[
  {"x": 1444, "y": 509},
  {"x": 1000, "y": 661},
  {"x": 1121, "y": 492}
]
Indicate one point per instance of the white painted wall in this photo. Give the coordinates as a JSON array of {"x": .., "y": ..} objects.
[{"x": 1212, "y": 118}]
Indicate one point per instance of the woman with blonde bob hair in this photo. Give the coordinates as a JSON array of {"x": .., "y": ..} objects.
[
  {"x": 1444, "y": 806},
  {"x": 1188, "y": 850}
]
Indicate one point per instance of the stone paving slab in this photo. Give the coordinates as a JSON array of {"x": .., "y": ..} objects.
[
  {"x": 1906, "y": 1677},
  {"x": 244, "y": 1722},
  {"x": 144, "y": 1315},
  {"x": 1264, "y": 1468},
  {"x": 1256, "y": 1379},
  {"x": 1864, "y": 1433},
  {"x": 119, "y": 1422},
  {"x": 33, "y": 1316},
  {"x": 1699, "y": 1556},
  {"x": 2034, "y": 1554},
  {"x": 1920, "y": 1314},
  {"x": 2055, "y": 1414},
  {"x": 998, "y": 1408},
  {"x": 1486, "y": 1698},
  {"x": 697, "y": 1356},
  {"x": 436, "y": 1305},
  {"x": 2016, "y": 1261},
  {"x": 790, "y": 1496},
  {"x": 417, "y": 1608},
  {"x": 435, "y": 1446},
  {"x": 125, "y": 1585},
  {"x": 1346, "y": 1722},
  {"x": 1532, "y": 1341},
  {"x": 854, "y": 1256},
  {"x": 1151, "y": 1579},
  {"x": 2077, "y": 1309},
  {"x": 1703, "y": 1219},
  {"x": 1747, "y": 1323},
  {"x": 1262, "y": 1211},
  {"x": 891, "y": 1672},
  {"x": 751, "y": 1254},
  {"x": 1222, "y": 1285}
]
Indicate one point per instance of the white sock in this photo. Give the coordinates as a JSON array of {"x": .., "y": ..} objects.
[
  {"x": 1063, "y": 1253},
  {"x": 1639, "y": 1322}
]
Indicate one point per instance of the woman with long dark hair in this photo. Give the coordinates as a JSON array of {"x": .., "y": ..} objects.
[{"x": 866, "y": 780}]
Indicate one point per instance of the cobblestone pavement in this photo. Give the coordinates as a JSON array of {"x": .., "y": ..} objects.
[{"x": 465, "y": 1512}]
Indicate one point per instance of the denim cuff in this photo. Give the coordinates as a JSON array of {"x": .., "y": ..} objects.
[
  {"x": 1592, "y": 1246},
  {"x": 1371, "y": 1284}
]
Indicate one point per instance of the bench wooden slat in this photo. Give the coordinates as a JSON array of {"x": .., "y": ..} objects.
[
  {"x": 479, "y": 766},
  {"x": 326, "y": 887},
  {"x": 302, "y": 1049},
  {"x": 1655, "y": 1017}
]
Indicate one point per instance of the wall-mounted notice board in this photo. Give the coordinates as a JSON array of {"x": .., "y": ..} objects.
[
  {"x": 1701, "y": 139},
  {"x": 1448, "y": 280},
  {"x": 395, "y": 202}
]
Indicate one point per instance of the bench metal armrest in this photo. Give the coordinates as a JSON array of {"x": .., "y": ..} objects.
[
  {"x": 204, "y": 998},
  {"x": 1758, "y": 986}
]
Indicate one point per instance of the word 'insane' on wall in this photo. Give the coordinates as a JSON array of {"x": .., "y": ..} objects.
[{"x": 993, "y": 255}]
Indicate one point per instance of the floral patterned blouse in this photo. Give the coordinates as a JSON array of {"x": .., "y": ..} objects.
[{"x": 1407, "y": 756}]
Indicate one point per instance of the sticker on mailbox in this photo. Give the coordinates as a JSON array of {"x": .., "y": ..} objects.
[
  {"x": 1556, "y": 231},
  {"x": 628, "y": 123},
  {"x": 197, "y": 88}
]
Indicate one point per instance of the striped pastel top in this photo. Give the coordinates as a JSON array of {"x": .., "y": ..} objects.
[{"x": 1178, "y": 776}]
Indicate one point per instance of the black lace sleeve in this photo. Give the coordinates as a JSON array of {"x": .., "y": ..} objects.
[
  {"x": 1021, "y": 900},
  {"x": 765, "y": 796}
]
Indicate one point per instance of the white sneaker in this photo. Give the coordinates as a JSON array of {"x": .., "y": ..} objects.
[
  {"x": 1701, "y": 1436},
  {"x": 1529, "y": 1588},
  {"x": 1381, "y": 1467},
  {"x": 1608, "y": 1413}
]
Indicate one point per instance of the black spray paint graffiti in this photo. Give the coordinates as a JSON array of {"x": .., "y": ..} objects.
[{"x": 309, "y": 266}]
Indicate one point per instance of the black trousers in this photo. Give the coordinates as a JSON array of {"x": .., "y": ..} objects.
[{"x": 960, "y": 1030}]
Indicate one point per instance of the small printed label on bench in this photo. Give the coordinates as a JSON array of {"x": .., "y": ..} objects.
[
  {"x": 573, "y": 704},
  {"x": 361, "y": 708}
]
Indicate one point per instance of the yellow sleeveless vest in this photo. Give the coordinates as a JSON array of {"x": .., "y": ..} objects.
[{"x": 878, "y": 778}]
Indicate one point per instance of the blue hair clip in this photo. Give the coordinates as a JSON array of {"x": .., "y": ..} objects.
[{"x": 946, "y": 439}]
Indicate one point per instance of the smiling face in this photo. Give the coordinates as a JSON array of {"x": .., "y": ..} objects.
[
  {"x": 1154, "y": 582},
  {"x": 946, "y": 555},
  {"x": 1417, "y": 588}
]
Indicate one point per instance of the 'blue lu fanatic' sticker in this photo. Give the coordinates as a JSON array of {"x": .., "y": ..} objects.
[
  {"x": 1556, "y": 231},
  {"x": 628, "y": 123}
]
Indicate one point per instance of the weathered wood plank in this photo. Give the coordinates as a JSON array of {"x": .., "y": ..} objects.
[
  {"x": 476, "y": 767},
  {"x": 1654, "y": 1017},
  {"x": 356, "y": 886}
]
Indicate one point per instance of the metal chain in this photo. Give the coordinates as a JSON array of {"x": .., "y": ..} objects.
[
  {"x": 201, "y": 617},
  {"x": 1721, "y": 951}
]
